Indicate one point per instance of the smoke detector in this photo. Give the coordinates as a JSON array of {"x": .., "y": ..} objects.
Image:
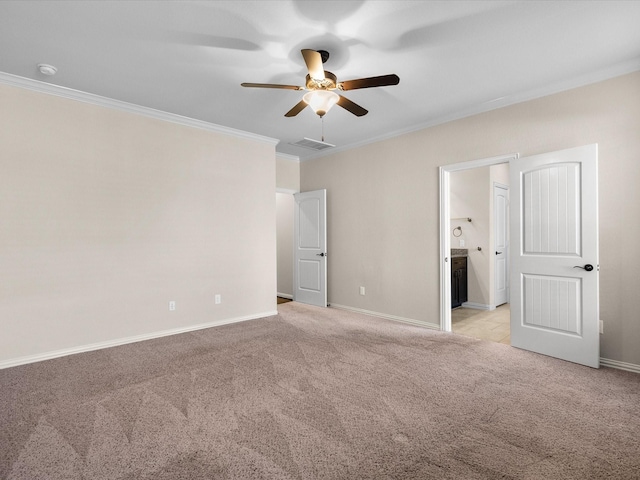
[{"x": 48, "y": 70}]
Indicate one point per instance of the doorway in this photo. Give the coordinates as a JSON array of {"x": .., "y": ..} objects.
[
  {"x": 477, "y": 241},
  {"x": 301, "y": 259},
  {"x": 478, "y": 202},
  {"x": 284, "y": 245},
  {"x": 554, "y": 266}
]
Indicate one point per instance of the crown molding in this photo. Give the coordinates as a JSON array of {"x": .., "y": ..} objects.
[
  {"x": 90, "y": 98},
  {"x": 288, "y": 157},
  {"x": 288, "y": 191},
  {"x": 602, "y": 75}
]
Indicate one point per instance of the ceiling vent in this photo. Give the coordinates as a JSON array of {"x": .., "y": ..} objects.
[{"x": 312, "y": 144}]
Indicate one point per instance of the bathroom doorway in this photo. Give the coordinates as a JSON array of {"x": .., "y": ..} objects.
[
  {"x": 468, "y": 229},
  {"x": 478, "y": 202}
]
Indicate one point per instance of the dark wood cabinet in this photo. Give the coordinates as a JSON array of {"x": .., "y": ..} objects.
[{"x": 458, "y": 281}]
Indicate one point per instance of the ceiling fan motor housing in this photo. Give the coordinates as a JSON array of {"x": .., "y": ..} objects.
[{"x": 324, "y": 55}]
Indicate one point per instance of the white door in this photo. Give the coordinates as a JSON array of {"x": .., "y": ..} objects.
[
  {"x": 501, "y": 271},
  {"x": 554, "y": 254},
  {"x": 310, "y": 249}
]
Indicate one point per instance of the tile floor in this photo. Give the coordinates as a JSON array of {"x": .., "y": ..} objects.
[{"x": 483, "y": 324}]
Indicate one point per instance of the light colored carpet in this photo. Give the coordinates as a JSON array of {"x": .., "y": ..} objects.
[{"x": 317, "y": 393}]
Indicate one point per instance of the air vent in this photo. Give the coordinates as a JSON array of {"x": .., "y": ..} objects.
[{"x": 312, "y": 144}]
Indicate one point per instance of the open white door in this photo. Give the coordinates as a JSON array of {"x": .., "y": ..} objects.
[
  {"x": 554, "y": 254},
  {"x": 310, "y": 249},
  {"x": 500, "y": 219}
]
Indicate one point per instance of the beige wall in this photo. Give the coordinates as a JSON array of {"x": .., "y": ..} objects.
[
  {"x": 287, "y": 173},
  {"x": 106, "y": 216},
  {"x": 383, "y": 201}
]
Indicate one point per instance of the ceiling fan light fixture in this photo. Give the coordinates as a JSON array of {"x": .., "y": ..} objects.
[{"x": 321, "y": 101}]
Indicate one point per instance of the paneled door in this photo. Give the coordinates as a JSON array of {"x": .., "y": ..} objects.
[
  {"x": 554, "y": 254},
  {"x": 501, "y": 244},
  {"x": 310, "y": 249}
]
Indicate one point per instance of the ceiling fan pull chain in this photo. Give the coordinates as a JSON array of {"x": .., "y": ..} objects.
[{"x": 322, "y": 120}]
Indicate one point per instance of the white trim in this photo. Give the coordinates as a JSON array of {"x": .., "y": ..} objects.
[
  {"x": 629, "y": 367},
  {"x": 90, "y": 98},
  {"x": 478, "y": 306},
  {"x": 582, "y": 81},
  {"x": 445, "y": 252},
  {"x": 429, "y": 325},
  {"x": 288, "y": 157},
  {"x": 445, "y": 225},
  {"x": 14, "y": 362},
  {"x": 284, "y": 295},
  {"x": 290, "y": 191}
]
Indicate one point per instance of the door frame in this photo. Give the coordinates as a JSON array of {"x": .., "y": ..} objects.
[{"x": 445, "y": 227}]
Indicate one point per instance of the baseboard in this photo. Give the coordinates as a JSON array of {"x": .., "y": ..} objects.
[
  {"x": 123, "y": 341},
  {"x": 478, "y": 306},
  {"x": 432, "y": 326},
  {"x": 604, "y": 362},
  {"x": 629, "y": 367},
  {"x": 284, "y": 295}
]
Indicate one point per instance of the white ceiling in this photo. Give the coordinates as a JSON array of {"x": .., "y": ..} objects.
[{"x": 454, "y": 58}]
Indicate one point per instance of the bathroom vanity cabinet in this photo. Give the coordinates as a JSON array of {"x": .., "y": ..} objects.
[{"x": 458, "y": 281}]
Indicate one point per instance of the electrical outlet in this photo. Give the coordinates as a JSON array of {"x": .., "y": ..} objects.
[
  {"x": 601, "y": 327},
  {"x": 361, "y": 290},
  {"x": 218, "y": 299},
  {"x": 461, "y": 242},
  {"x": 172, "y": 306}
]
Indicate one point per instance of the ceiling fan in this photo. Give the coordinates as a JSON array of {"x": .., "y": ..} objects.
[{"x": 321, "y": 85}]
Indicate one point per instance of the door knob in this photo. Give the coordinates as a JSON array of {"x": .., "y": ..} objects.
[
  {"x": 498, "y": 253},
  {"x": 321, "y": 254},
  {"x": 588, "y": 267}
]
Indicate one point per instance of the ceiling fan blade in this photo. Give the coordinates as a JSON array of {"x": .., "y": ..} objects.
[
  {"x": 381, "y": 81},
  {"x": 297, "y": 109},
  {"x": 313, "y": 60},
  {"x": 354, "y": 108},
  {"x": 272, "y": 85}
]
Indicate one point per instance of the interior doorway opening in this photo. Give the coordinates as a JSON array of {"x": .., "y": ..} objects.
[
  {"x": 301, "y": 241},
  {"x": 284, "y": 245},
  {"x": 473, "y": 226},
  {"x": 478, "y": 201},
  {"x": 554, "y": 303}
]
